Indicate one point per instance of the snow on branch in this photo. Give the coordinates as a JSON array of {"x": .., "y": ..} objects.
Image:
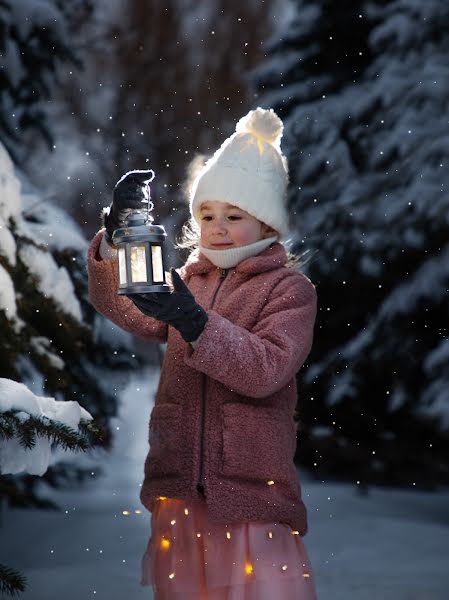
[{"x": 30, "y": 424}]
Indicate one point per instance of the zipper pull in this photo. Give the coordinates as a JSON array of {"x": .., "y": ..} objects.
[{"x": 223, "y": 274}]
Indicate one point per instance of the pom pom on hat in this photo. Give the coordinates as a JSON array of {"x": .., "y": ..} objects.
[
  {"x": 248, "y": 171},
  {"x": 264, "y": 124}
]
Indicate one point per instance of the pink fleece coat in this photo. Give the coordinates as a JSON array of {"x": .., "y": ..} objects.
[{"x": 223, "y": 414}]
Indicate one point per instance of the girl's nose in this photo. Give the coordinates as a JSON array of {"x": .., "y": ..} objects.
[{"x": 219, "y": 226}]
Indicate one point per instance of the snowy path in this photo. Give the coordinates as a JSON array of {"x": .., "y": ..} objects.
[{"x": 390, "y": 545}]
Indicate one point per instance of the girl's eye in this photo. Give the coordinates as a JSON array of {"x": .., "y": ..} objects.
[
  {"x": 235, "y": 217},
  {"x": 206, "y": 218}
]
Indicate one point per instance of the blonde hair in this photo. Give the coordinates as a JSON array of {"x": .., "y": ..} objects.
[{"x": 190, "y": 234}]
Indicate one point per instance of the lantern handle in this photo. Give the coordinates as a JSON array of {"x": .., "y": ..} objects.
[{"x": 148, "y": 194}]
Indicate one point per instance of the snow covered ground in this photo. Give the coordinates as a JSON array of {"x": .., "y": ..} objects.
[{"x": 389, "y": 545}]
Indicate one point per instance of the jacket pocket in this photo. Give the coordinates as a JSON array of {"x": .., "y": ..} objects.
[
  {"x": 165, "y": 457},
  {"x": 258, "y": 445}
]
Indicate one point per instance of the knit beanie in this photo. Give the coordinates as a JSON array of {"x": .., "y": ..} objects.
[{"x": 248, "y": 171}]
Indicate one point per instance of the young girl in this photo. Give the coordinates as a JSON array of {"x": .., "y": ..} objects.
[{"x": 227, "y": 518}]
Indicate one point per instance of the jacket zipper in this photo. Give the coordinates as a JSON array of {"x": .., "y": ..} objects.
[{"x": 200, "y": 484}]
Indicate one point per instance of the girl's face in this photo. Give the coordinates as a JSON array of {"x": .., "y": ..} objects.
[{"x": 225, "y": 226}]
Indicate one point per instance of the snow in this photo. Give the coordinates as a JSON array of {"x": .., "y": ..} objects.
[
  {"x": 41, "y": 345},
  {"x": 16, "y": 396},
  {"x": 39, "y": 220},
  {"x": 7, "y": 243},
  {"x": 10, "y": 201},
  {"x": 7, "y": 294},
  {"x": 53, "y": 281},
  {"x": 52, "y": 226},
  {"x": 386, "y": 545}
]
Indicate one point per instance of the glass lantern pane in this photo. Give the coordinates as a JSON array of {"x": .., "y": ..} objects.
[
  {"x": 138, "y": 264},
  {"x": 156, "y": 261},
  {"x": 122, "y": 266}
]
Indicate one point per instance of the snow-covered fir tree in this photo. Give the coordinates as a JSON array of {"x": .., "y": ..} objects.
[
  {"x": 52, "y": 339},
  {"x": 364, "y": 96},
  {"x": 29, "y": 426}
]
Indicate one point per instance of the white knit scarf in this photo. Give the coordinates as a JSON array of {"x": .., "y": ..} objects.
[{"x": 225, "y": 259}]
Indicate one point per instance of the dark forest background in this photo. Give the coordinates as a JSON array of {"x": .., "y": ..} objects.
[{"x": 89, "y": 90}]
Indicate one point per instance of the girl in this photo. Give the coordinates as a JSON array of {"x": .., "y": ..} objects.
[{"x": 227, "y": 518}]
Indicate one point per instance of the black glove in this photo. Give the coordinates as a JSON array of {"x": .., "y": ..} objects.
[
  {"x": 179, "y": 308},
  {"x": 131, "y": 192}
]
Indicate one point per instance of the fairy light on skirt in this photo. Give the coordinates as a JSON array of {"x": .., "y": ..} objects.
[
  {"x": 248, "y": 565},
  {"x": 249, "y": 568},
  {"x": 165, "y": 544}
]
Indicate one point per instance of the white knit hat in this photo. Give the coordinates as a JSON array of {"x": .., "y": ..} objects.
[{"x": 248, "y": 171}]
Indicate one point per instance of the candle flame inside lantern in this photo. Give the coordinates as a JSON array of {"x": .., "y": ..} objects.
[{"x": 138, "y": 264}]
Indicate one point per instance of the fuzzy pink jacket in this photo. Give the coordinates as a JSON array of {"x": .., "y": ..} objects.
[{"x": 223, "y": 414}]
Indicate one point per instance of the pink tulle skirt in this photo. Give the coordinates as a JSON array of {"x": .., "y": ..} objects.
[{"x": 190, "y": 558}]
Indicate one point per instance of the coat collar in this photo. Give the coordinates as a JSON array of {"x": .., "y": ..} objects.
[{"x": 271, "y": 258}]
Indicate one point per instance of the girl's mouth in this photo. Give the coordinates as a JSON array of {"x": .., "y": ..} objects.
[{"x": 221, "y": 245}]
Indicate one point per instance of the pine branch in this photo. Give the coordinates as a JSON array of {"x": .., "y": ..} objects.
[
  {"x": 57, "y": 433},
  {"x": 11, "y": 582}
]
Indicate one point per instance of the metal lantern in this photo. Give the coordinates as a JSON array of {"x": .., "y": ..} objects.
[{"x": 140, "y": 262}]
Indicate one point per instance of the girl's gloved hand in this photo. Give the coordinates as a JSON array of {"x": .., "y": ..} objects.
[
  {"x": 131, "y": 192},
  {"x": 178, "y": 308}
]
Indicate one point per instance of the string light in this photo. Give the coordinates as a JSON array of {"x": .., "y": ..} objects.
[
  {"x": 306, "y": 575},
  {"x": 270, "y": 535},
  {"x": 271, "y": 482},
  {"x": 186, "y": 511},
  {"x": 125, "y": 512},
  {"x": 284, "y": 567},
  {"x": 171, "y": 575},
  {"x": 248, "y": 568},
  {"x": 165, "y": 544},
  {"x": 228, "y": 535},
  {"x": 173, "y": 522}
]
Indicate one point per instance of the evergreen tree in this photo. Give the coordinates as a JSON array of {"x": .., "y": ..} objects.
[
  {"x": 34, "y": 43},
  {"x": 29, "y": 427},
  {"x": 363, "y": 90},
  {"x": 52, "y": 338}
]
